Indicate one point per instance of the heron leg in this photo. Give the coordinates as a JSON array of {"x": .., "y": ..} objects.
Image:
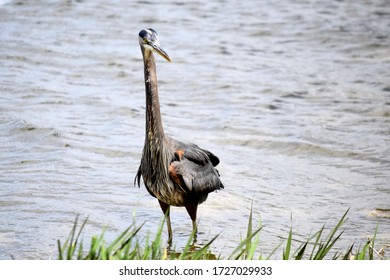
[
  {"x": 192, "y": 208},
  {"x": 166, "y": 209}
]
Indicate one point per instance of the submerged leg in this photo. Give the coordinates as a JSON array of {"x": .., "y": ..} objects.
[{"x": 165, "y": 208}]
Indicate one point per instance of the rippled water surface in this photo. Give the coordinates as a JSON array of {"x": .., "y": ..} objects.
[{"x": 293, "y": 96}]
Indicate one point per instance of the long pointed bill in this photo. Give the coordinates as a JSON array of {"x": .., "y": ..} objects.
[{"x": 161, "y": 52}]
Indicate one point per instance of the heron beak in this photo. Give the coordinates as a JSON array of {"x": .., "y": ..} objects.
[{"x": 161, "y": 52}]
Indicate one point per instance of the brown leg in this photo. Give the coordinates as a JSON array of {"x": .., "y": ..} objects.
[
  {"x": 165, "y": 208},
  {"x": 192, "y": 209}
]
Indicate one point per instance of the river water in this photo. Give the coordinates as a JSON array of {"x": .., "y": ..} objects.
[{"x": 292, "y": 96}]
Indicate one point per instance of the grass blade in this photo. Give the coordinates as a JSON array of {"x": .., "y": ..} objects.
[
  {"x": 301, "y": 252},
  {"x": 286, "y": 251},
  {"x": 239, "y": 251}
]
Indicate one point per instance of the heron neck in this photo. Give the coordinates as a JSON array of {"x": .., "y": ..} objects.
[{"x": 154, "y": 127}]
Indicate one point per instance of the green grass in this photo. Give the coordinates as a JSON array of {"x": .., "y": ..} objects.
[{"x": 129, "y": 246}]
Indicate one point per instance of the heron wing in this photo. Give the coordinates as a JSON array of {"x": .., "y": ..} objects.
[
  {"x": 193, "y": 169},
  {"x": 193, "y": 152}
]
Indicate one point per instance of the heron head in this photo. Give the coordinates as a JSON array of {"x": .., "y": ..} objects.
[{"x": 148, "y": 39}]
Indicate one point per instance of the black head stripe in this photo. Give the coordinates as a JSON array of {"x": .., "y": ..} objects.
[{"x": 143, "y": 33}]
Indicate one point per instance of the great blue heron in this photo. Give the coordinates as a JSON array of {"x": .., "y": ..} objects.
[{"x": 175, "y": 173}]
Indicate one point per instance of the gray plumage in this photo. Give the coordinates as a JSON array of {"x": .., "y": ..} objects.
[{"x": 175, "y": 173}]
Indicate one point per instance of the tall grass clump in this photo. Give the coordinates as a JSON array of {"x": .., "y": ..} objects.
[
  {"x": 128, "y": 246},
  {"x": 320, "y": 247}
]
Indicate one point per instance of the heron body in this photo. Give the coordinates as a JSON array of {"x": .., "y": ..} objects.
[{"x": 176, "y": 173}]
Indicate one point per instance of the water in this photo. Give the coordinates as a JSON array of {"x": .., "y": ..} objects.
[{"x": 292, "y": 96}]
